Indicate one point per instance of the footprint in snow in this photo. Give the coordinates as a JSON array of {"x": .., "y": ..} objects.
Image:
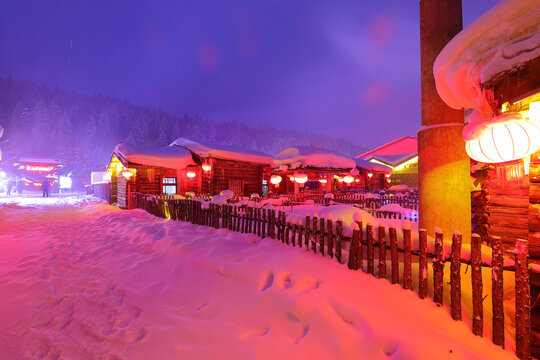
[
  {"x": 267, "y": 279},
  {"x": 261, "y": 331}
]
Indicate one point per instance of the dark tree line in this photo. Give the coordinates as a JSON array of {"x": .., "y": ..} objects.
[{"x": 83, "y": 129}]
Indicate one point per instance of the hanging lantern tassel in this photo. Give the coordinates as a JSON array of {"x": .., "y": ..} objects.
[{"x": 500, "y": 139}]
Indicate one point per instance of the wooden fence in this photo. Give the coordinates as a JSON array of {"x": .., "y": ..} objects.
[{"x": 323, "y": 236}]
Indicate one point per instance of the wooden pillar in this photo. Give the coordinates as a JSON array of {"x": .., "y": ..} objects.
[{"x": 443, "y": 164}]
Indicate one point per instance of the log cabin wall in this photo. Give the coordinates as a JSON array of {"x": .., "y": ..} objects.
[
  {"x": 227, "y": 172},
  {"x": 508, "y": 203},
  {"x": 122, "y": 193}
]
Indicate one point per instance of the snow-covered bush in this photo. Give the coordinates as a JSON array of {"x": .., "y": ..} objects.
[{"x": 227, "y": 193}]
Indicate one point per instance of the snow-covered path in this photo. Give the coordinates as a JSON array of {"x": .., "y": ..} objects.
[{"x": 80, "y": 279}]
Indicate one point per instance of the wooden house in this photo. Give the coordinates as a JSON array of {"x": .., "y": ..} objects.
[
  {"x": 184, "y": 166},
  {"x": 302, "y": 168},
  {"x": 401, "y": 156},
  {"x": 371, "y": 176},
  {"x": 492, "y": 68}
]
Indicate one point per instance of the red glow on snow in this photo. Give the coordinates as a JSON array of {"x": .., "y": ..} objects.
[{"x": 207, "y": 56}]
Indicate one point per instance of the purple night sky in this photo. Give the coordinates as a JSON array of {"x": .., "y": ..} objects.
[{"x": 347, "y": 69}]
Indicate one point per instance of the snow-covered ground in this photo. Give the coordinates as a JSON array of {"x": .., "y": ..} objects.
[{"x": 80, "y": 279}]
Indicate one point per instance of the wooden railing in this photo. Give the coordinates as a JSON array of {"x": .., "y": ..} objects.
[{"x": 325, "y": 237}]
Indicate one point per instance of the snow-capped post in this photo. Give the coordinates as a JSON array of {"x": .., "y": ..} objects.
[
  {"x": 497, "y": 291},
  {"x": 382, "y": 252},
  {"x": 523, "y": 300},
  {"x": 308, "y": 228},
  {"x": 476, "y": 278},
  {"x": 330, "y": 230},
  {"x": 322, "y": 236},
  {"x": 443, "y": 164},
  {"x": 339, "y": 235},
  {"x": 370, "y": 249},
  {"x": 359, "y": 251},
  {"x": 422, "y": 264},
  {"x": 394, "y": 254},
  {"x": 438, "y": 268},
  {"x": 353, "y": 249},
  {"x": 315, "y": 234},
  {"x": 455, "y": 276},
  {"x": 407, "y": 252},
  {"x": 293, "y": 235}
]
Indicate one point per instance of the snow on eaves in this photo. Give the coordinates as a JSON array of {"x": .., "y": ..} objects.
[
  {"x": 369, "y": 166},
  {"x": 171, "y": 157},
  {"x": 225, "y": 152},
  {"x": 309, "y": 157},
  {"x": 503, "y": 38}
]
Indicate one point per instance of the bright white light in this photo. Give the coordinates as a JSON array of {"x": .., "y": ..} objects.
[
  {"x": 65, "y": 182},
  {"x": 275, "y": 179},
  {"x": 206, "y": 167},
  {"x": 3, "y": 174},
  {"x": 190, "y": 174},
  {"x": 300, "y": 178},
  {"x": 348, "y": 179}
]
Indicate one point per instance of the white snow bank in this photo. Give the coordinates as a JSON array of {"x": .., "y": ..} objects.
[
  {"x": 167, "y": 157},
  {"x": 503, "y": 38},
  {"x": 309, "y": 157},
  {"x": 228, "y": 194},
  {"x": 227, "y": 152}
]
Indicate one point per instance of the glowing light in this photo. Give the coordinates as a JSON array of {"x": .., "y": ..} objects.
[
  {"x": 65, "y": 182},
  {"x": 191, "y": 174},
  {"x": 370, "y": 175},
  {"x": 127, "y": 174},
  {"x": 3, "y": 174},
  {"x": 406, "y": 163},
  {"x": 388, "y": 181},
  {"x": 504, "y": 138},
  {"x": 107, "y": 176},
  {"x": 323, "y": 181},
  {"x": 340, "y": 180},
  {"x": 300, "y": 178},
  {"x": 357, "y": 180},
  {"x": 348, "y": 179},
  {"x": 275, "y": 179},
  {"x": 38, "y": 168},
  {"x": 534, "y": 111},
  {"x": 291, "y": 178},
  {"x": 206, "y": 167},
  {"x": 388, "y": 176}
]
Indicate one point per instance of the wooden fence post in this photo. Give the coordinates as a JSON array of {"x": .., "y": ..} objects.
[
  {"x": 339, "y": 235},
  {"x": 422, "y": 264},
  {"x": 497, "y": 290},
  {"x": 300, "y": 233},
  {"x": 353, "y": 249},
  {"x": 293, "y": 235},
  {"x": 438, "y": 268},
  {"x": 523, "y": 301},
  {"x": 359, "y": 251},
  {"x": 321, "y": 236},
  {"x": 264, "y": 223},
  {"x": 382, "y": 252},
  {"x": 370, "y": 249},
  {"x": 394, "y": 255},
  {"x": 455, "y": 276},
  {"x": 287, "y": 239},
  {"x": 407, "y": 257},
  {"x": 308, "y": 231},
  {"x": 330, "y": 229},
  {"x": 315, "y": 234},
  {"x": 476, "y": 279}
]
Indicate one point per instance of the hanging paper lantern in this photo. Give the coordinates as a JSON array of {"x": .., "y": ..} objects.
[
  {"x": 127, "y": 174},
  {"x": 300, "y": 178},
  {"x": 348, "y": 179},
  {"x": 500, "y": 139},
  {"x": 275, "y": 179},
  {"x": 340, "y": 180},
  {"x": 357, "y": 180},
  {"x": 323, "y": 181},
  {"x": 388, "y": 176},
  {"x": 291, "y": 178},
  {"x": 190, "y": 174},
  {"x": 206, "y": 167},
  {"x": 370, "y": 175}
]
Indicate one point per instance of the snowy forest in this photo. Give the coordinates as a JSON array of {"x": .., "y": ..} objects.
[{"x": 39, "y": 121}]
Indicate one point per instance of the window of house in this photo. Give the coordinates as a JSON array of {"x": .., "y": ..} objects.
[
  {"x": 169, "y": 185},
  {"x": 237, "y": 186}
]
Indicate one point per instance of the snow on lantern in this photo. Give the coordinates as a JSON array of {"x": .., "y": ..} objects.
[
  {"x": 127, "y": 174},
  {"x": 500, "y": 139},
  {"x": 206, "y": 167},
  {"x": 300, "y": 178},
  {"x": 275, "y": 179},
  {"x": 190, "y": 174},
  {"x": 348, "y": 179}
]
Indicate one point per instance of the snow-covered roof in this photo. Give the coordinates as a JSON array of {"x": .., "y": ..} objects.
[
  {"x": 393, "y": 160},
  {"x": 368, "y": 165},
  {"x": 226, "y": 152},
  {"x": 403, "y": 145},
  {"x": 308, "y": 157},
  {"x": 503, "y": 38},
  {"x": 171, "y": 157}
]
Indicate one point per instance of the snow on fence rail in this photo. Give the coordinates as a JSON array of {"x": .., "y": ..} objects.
[{"x": 325, "y": 237}]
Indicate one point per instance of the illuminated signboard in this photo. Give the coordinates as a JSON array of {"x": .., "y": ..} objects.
[{"x": 39, "y": 168}]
